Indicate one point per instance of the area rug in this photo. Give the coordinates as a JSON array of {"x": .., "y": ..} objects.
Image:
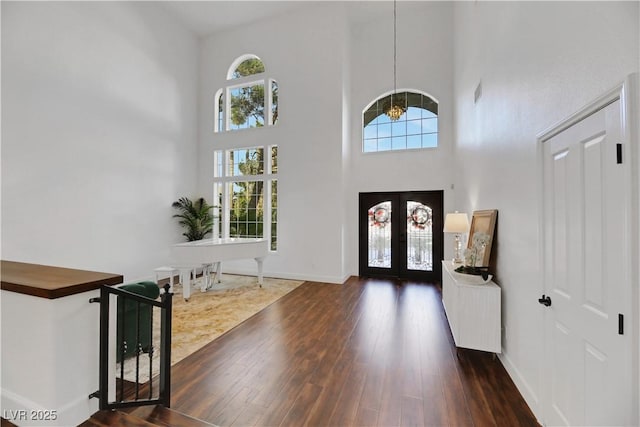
[{"x": 206, "y": 316}]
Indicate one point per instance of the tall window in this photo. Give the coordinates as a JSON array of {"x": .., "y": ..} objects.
[
  {"x": 416, "y": 128},
  {"x": 250, "y": 100},
  {"x": 245, "y": 187}
]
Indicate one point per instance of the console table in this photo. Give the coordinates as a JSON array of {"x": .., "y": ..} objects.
[{"x": 473, "y": 310}]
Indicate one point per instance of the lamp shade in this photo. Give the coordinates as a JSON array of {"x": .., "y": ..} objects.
[{"x": 456, "y": 223}]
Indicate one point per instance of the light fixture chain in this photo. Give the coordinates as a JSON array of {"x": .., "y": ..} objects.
[
  {"x": 394, "y": 46},
  {"x": 395, "y": 110}
]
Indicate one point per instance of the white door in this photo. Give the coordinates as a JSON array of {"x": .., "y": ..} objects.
[{"x": 587, "y": 232}]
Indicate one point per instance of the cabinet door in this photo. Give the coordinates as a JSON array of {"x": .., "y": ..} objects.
[{"x": 479, "y": 317}]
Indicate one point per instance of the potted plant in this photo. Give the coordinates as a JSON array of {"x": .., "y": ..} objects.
[{"x": 196, "y": 217}]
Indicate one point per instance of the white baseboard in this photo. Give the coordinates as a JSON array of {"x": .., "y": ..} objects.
[
  {"x": 290, "y": 276},
  {"x": 24, "y": 412}
]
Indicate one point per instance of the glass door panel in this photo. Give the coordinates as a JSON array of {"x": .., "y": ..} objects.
[
  {"x": 419, "y": 237},
  {"x": 379, "y": 242}
]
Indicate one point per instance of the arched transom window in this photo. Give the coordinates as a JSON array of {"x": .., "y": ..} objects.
[
  {"x": 417, "y": 127},
  {"x": 250, "y": 100}
]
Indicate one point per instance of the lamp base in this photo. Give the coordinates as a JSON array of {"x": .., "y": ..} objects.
[{"x": 456, "y": 250}]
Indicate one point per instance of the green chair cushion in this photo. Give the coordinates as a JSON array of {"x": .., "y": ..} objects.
[
  {"x": 128, "y": 313},
  {"x": 147, "y": 289}
]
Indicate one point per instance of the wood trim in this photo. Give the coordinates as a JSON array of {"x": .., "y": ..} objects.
[{"x": 51, "y": 282}]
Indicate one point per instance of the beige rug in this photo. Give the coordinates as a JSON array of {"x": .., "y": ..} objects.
[{"x": 207, "y": 315}]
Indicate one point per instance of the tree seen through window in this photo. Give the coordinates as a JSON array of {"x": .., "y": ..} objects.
[
  {"x": 249, "y": 105},
  {"x": 246, "y": 188}
]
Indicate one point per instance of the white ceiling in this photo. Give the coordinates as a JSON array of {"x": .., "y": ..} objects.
[{"x": 211, "y": 16}]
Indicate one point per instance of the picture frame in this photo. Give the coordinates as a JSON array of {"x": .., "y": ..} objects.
[{"x": 483, "y": 221}]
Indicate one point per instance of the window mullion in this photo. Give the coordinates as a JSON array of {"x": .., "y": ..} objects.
[
  {"x": 268, "y": 102},
  {"x": 266, "y": 214},
  {"x": 225, "y": 191},
  {"x": 227, "y": 108},
  {"x": 225, "y": 211},
  {"x": 269, "y": 193}
]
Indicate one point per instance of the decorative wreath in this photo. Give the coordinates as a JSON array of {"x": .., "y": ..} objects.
[
  {"x": 380, "y": 216},
  {"x": 420, "y": 217}
]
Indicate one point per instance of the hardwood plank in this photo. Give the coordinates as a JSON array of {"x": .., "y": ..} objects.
[
  {"x": 434, "y": 402},
  {"x": 345, "y": 410},
  {"x": 479, "y": 408},
  {"x": 366, "y": 353},
  {"x": 116, "y": 419},
  {"x": 302, "y": 406},
  {"x": 412, "y": 414},
  {"x": 161, "y": 416},
  {"x": 366, "y": 417}
]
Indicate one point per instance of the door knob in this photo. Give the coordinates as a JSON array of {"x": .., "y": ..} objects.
[{"x": 545, "y": 300}]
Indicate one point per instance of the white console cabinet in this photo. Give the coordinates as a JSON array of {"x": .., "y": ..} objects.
[{"x": 473, "y": 310}]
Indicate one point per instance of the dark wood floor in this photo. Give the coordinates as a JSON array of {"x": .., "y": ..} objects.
[{"x": 366, "y": 353}]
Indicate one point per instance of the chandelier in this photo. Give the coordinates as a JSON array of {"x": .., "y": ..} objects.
[{"x": 396, "y": 109}]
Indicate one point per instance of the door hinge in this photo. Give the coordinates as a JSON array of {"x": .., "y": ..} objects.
[
  {"x": 620, "y": 324},
  {"x": 619, "y": 153}
]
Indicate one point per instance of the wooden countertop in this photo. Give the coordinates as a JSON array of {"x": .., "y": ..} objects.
[{"x": 51, "y": 282}]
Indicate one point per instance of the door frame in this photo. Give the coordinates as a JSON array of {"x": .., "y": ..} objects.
[
  {"x": 627, "y": 93},
  {"x": 438, "y": 236}
]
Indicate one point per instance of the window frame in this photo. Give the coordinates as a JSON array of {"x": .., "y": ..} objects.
[
  {"x": 227, "y": 101},
  {"x": 239, "y": 60},
  {"x": 405, "y": 120},
  {"x": 221, "y": 184},
  {"x": 233, "y": 83}
]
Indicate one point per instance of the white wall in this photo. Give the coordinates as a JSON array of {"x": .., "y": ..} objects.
[
  {"x": 303, "y": 51},
  {"x": 424, "y": 63},
  {"x": 50, "y": 358},
  {"x": 538, "y": 62},
  {"x": 98, "y": 133},
  {"x": 328, "y": 72}
]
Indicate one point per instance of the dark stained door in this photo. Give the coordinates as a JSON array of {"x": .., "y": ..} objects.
[{"x": 401, "y": 234}]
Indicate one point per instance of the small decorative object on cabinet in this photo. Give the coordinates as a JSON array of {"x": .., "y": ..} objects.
[
  {"x": 473, "y": 310},
  {"x": 483, "y": 224},
  {"x": 456, "y": 223}
]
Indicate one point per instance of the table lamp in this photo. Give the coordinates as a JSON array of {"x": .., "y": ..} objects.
[{"x": 457, "y": 223}]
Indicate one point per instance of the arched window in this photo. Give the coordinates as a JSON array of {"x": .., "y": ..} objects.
[
  {"x": 417, "y": 127},
  {"x": 245, "y": 103},
  {"x": 245, "y": 65},
  {"x": 245, "y": 179}
]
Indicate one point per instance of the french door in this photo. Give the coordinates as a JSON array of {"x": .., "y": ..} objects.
[{"x": 401, "y": 234}]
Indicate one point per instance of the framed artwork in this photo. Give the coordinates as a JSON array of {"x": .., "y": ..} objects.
[{"x": 482, "y": 222}]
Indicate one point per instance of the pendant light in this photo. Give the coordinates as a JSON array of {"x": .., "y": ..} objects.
[{"x": 396, "y": 109}]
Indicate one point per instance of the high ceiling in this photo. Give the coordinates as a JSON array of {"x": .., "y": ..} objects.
[{"x": 207, "y": 17}]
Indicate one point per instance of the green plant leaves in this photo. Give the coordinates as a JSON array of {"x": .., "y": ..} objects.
[{"x": 195, "y": 217}]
